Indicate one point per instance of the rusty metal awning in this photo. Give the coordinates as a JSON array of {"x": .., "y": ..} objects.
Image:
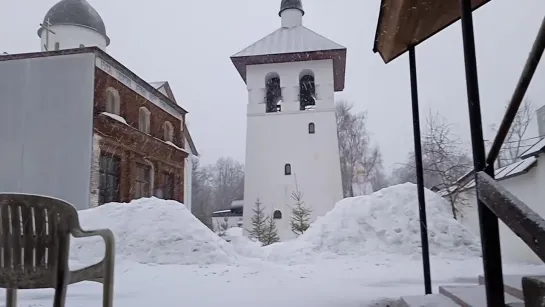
[{"x": 402, "y": 23}]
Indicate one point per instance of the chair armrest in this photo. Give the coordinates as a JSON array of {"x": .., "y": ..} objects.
[{"x": 105, "y": 267}]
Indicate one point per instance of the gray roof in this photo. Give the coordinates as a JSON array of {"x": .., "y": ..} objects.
[
  {"x": 291, "y": 4},
  {"x": 76, "y": 12}
]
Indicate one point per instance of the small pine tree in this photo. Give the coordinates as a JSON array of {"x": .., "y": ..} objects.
[
  {"x": 221, "y": 228},
  {"x": 271, "y": 232},
  {"x": 300, "y": 214},
  {"x": 259, "y": 223}
]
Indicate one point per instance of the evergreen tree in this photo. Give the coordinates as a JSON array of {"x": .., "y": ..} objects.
[
  {"x": 300, "y": 214},
  {"x": 259, "y": 223},
  {"x": 271, "y": 232}
]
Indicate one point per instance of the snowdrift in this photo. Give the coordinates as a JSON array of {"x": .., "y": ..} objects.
[
  {"x": 151, "y": 230},
  {"x": 386, "y": 221}
]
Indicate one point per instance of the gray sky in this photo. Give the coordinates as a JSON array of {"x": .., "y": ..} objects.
[{"x": 188, "y": 43}]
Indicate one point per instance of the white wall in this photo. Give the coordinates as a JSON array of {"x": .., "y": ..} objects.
[
  {"x": 274, "y": 139},
  {"x": 46, "y": 126},
  {"x": 72, "y": 36},
  {"x": 188, "y": 177},
  {"x": 528, "y": 188}
]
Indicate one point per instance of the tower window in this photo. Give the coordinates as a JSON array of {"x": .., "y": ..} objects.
[
  {"x": 307, "y": 91},
  {"x": 277, "y": 215},
  {"x": 81, "y": 45},
  {"x": 311, "y": 128},
  {"x": 287, "y": 169},
  {"x": 144, "y": 120},
  {"x": 273, "y": 97},
  {"x": 57, "y": 46}
]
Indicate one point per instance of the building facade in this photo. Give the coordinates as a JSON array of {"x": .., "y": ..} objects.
[
  {"x": 291, "y": 143},
  {"x": 96, "y": 131}
]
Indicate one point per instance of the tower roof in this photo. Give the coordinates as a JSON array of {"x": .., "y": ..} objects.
[
  {"x": 289, "y": 40},
  {"x": 78, "y": 13},
  {"x": 291, "y": 4}
]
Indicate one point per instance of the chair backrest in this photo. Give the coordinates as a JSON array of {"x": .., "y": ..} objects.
[{"x": 33, "y": 229}]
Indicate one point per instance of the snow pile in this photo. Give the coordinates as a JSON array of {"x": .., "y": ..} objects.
[
  {"x": 386, "y": 221},
  {"x": 151, "y": 230}
]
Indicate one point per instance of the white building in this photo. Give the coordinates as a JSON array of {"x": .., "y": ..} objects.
[
  {"x": 230, "y": 217},
  {"x": 291, "y": 76},
  {"x": 72, "y": 24},
  {"x": 525, "y": 179}
]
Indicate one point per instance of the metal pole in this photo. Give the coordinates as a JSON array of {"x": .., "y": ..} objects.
[
  {"x": 518, "y": 95},
  {"x": 419, "y": 172},
  {"x": 490, "y": 239}
]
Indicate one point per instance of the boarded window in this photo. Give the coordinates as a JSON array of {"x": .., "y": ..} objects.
[
  {"x": 109, "y": 180},
  {"x": 142, "y": 181},
  {"x": 287, "y": 169},
  {"x": 168, "y": 185},
  {"x": 277, "y": 215},
  {"x": 311, "y": 128}
]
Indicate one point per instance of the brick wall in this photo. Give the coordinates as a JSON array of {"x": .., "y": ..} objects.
[
  {"x": 130, "y": 106},
  {"x": 131, "y": 145}
]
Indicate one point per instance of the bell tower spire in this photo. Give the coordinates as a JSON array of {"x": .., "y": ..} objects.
[{"x": 291, "y": 12}]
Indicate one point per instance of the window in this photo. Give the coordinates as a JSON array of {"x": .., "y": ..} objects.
[
  {"x": 142, "y": 181},
  {"x": 277, "y": 215},
  {"x": 110, "y": 173},
  {"x": 144, "y": 120},
  {"x": 168, "y": 185},
  {"x": 273, "y": 97},
  {"x": 168, "y": 132},
  {"x": 287, "y": 169},
  {"x": 113, "y": 102},
  {"x": 57, "y": 46},
  {"x": 307, "y": 91},
  {"x": 81, "y": 45},
  {"x": 311, "y": 128}
]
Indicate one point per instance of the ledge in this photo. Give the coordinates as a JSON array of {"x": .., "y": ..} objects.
[{"x": 402, "y": 23}]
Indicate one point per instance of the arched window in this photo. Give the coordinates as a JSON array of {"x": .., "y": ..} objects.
[
  {"x": 113, "y": 101},
  {"x": 277, "y": 215},
  {"x": 273, "y": 96},
  {"x": 287, "y": 169},
  {"x": 307, "y": 90},
  {"x": 57, "y": 46},
  {"x": 168, "y": 132},
  {"x": 311, "y": 128},
  {"x": 144, "y": 120}
]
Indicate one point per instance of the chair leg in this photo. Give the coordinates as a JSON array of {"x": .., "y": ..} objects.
[
  {"x": 11, "y": 297},
  {"x": 60, "y": 295}
]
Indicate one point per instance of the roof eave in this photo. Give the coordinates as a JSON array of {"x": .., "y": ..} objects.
[
  {"x": 405, "y": 23},
  {"x": 337, "y": 55}
]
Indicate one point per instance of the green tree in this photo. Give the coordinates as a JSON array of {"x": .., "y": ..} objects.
[{"x": 300, "y": 214}]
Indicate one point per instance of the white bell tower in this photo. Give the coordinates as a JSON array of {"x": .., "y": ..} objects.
[
  {"x": 72, "y": 24},
  {"x": 291, "y": 143}
]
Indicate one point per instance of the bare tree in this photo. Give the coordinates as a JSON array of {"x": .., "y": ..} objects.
[
  {"x": 354, "y": 146},
  {"x": 228, "y": 182},
  {"x": 516, "y": 141},
  {"x": 202, "y": 193},
  {"x": 446, "y": 160}
]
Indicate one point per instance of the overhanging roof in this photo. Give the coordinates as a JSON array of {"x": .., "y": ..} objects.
[{"x": 402, "y": 23}]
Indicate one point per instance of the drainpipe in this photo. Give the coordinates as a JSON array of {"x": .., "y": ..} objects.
[{"x": 152, "y": 176}]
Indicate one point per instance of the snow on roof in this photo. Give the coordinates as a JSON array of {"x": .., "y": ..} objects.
[
  {"x": 157, "y": 85},
  {"x": 535, "y": 149},
  {"x": 502, "y": 173},
  {"x": 289, "y": 40}
]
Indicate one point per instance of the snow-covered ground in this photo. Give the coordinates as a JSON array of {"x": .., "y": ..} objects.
[{"x": 366, "y": 249}]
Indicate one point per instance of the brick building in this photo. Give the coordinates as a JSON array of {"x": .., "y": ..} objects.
[{"x": 78, "y": 125}]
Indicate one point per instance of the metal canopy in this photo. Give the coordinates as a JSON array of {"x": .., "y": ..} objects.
[{"x": 404, "y": 23}]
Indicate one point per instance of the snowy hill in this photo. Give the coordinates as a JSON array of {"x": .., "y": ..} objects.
[
  {"x": 385, "y": 222},
  {"x": 152, "y": 230}
]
